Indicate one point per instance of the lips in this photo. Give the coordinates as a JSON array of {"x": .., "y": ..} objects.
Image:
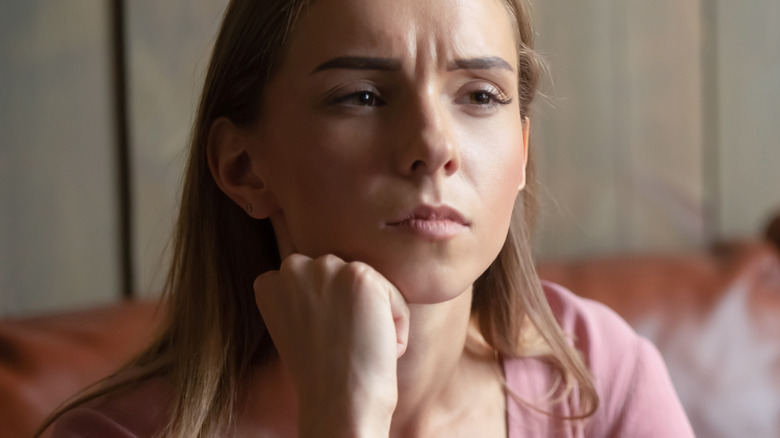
[
  {"x": 432, "y": 222},
  {"x": 431, "y": 213}
]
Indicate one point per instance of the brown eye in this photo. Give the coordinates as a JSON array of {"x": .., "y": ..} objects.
[
  {"x": 481, "y": 98},
  {"x": 485, "y": 97},
  {"x": 366, "y": 98},
  {"x": 360, "y": 98}
]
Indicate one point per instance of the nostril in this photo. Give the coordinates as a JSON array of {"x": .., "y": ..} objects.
[{"x": 417, "y": 164}]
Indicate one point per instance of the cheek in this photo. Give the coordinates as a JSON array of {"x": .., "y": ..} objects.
[
  {"x": 303, "y": 159},
  {"x": 317, "y": 178},
  {"x": 501, "y": 174},
  {"x": 497, "y": 162}
]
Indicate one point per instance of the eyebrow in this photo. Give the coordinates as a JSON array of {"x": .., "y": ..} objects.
[
  {"x": 484, "y": 63},
  {"x": 359, "y": 63},
  {"x": 389, "y": 64}
]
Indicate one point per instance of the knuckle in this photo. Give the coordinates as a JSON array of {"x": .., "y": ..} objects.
[
  {"x": 357, "y": 274},
  {"x": 328, "y": 261},
  {"x": 259, "y": 283},
  {"x": 324, "y": 268},
  {"x": 292, "y": 263}
]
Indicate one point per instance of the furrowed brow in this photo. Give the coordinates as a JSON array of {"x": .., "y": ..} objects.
[
  {"x": 483, "y": 63},
  {"x": 359, "y": 63}
]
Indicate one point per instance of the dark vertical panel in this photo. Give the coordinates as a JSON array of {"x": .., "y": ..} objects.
[
  {"x": 122, "y": 147},
  {"x": 710, "y": 120}
]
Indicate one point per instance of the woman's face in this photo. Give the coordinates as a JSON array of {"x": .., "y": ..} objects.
[{"x": 392, "y": 135}]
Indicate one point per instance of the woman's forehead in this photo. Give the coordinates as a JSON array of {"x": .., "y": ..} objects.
[{"x": 407, "y": 30}]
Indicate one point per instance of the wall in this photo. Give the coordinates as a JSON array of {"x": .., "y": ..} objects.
[
  {"x": 58, "y": 210},
  {"x": 658, "y": 133},
  {"x": 169, "y": 44},
  {"x": 747, "y": 63},
  {"x": 620, "y": 142}
]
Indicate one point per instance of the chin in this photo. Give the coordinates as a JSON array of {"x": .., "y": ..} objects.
[
  {"x": 416, "y": 294},
  {"x": 424, "y": 273},
  {"x": 422, "y": 283}
]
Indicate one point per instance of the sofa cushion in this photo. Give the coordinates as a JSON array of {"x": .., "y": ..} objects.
[{"x": 46, "y": 359}]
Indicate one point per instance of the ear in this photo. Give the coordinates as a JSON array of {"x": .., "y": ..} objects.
[
  {"x": 230, "y": 155},
  {"x": 526, "y": 137}
]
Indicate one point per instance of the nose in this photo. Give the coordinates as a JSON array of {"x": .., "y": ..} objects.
[{"x": 429, "y": 145}]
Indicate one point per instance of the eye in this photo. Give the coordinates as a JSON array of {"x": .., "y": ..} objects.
[
  {"x": 360, "y": 98},
  {"x": 482, "y": 96},
  {"x": 488, "y": 97}
]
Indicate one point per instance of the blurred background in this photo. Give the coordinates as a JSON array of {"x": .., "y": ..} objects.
[
  {"x": 658, "y": 133},
  {"x": 656, "y": 142}
]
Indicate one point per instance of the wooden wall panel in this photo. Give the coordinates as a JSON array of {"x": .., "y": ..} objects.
[
  {"x": 58, "y": 223},
  {"x": 748, "y": 61},
  {"x": 169, "y": 45},
  {"x": 574, "y": 129},
  {"x": 620, "y": 147},
  {"x": 664, "y": 172}
]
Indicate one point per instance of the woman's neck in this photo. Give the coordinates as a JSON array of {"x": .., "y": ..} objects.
[{"x": 429, "y": 372}]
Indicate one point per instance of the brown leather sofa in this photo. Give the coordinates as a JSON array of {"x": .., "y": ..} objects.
[
  {"x": 46, "y": 359},
  {"x": 715, "y": 317}
]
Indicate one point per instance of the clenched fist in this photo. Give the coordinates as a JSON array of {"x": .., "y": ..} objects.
[{"x": 339, "y": 328}]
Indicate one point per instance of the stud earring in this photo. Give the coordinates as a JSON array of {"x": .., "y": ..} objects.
[{"x": 249, "y": 208}]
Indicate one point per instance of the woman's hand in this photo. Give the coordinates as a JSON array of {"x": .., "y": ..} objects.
[{"x": 339, "y": 328}]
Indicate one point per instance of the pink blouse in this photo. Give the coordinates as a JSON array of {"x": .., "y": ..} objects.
[{"x": 637, "y": 399}]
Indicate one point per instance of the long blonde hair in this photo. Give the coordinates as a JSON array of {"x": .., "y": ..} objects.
[{"x": 213, "y": 335}]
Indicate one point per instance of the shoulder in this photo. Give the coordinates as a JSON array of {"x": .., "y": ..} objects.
[
  {"x": 596, "y": 331},
  {"x": 132, "y": 413},
  {"x": 636, "y": 396}
]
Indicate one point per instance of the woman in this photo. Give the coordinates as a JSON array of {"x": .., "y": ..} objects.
[{"x": 352, "y": 252}]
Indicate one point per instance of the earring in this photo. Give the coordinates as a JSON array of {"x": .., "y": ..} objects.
[{"x": 249, "y": 208}]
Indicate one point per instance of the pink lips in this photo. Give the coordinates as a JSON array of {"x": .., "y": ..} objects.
[{"x": 440, "y": 222}]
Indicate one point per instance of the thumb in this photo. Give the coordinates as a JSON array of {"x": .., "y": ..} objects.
[{"x": 400, "y": 311}]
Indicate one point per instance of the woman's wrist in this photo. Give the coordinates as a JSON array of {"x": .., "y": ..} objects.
[
  {"x": 335, "y": 428},
  {"x": 344, "y": 419}
]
